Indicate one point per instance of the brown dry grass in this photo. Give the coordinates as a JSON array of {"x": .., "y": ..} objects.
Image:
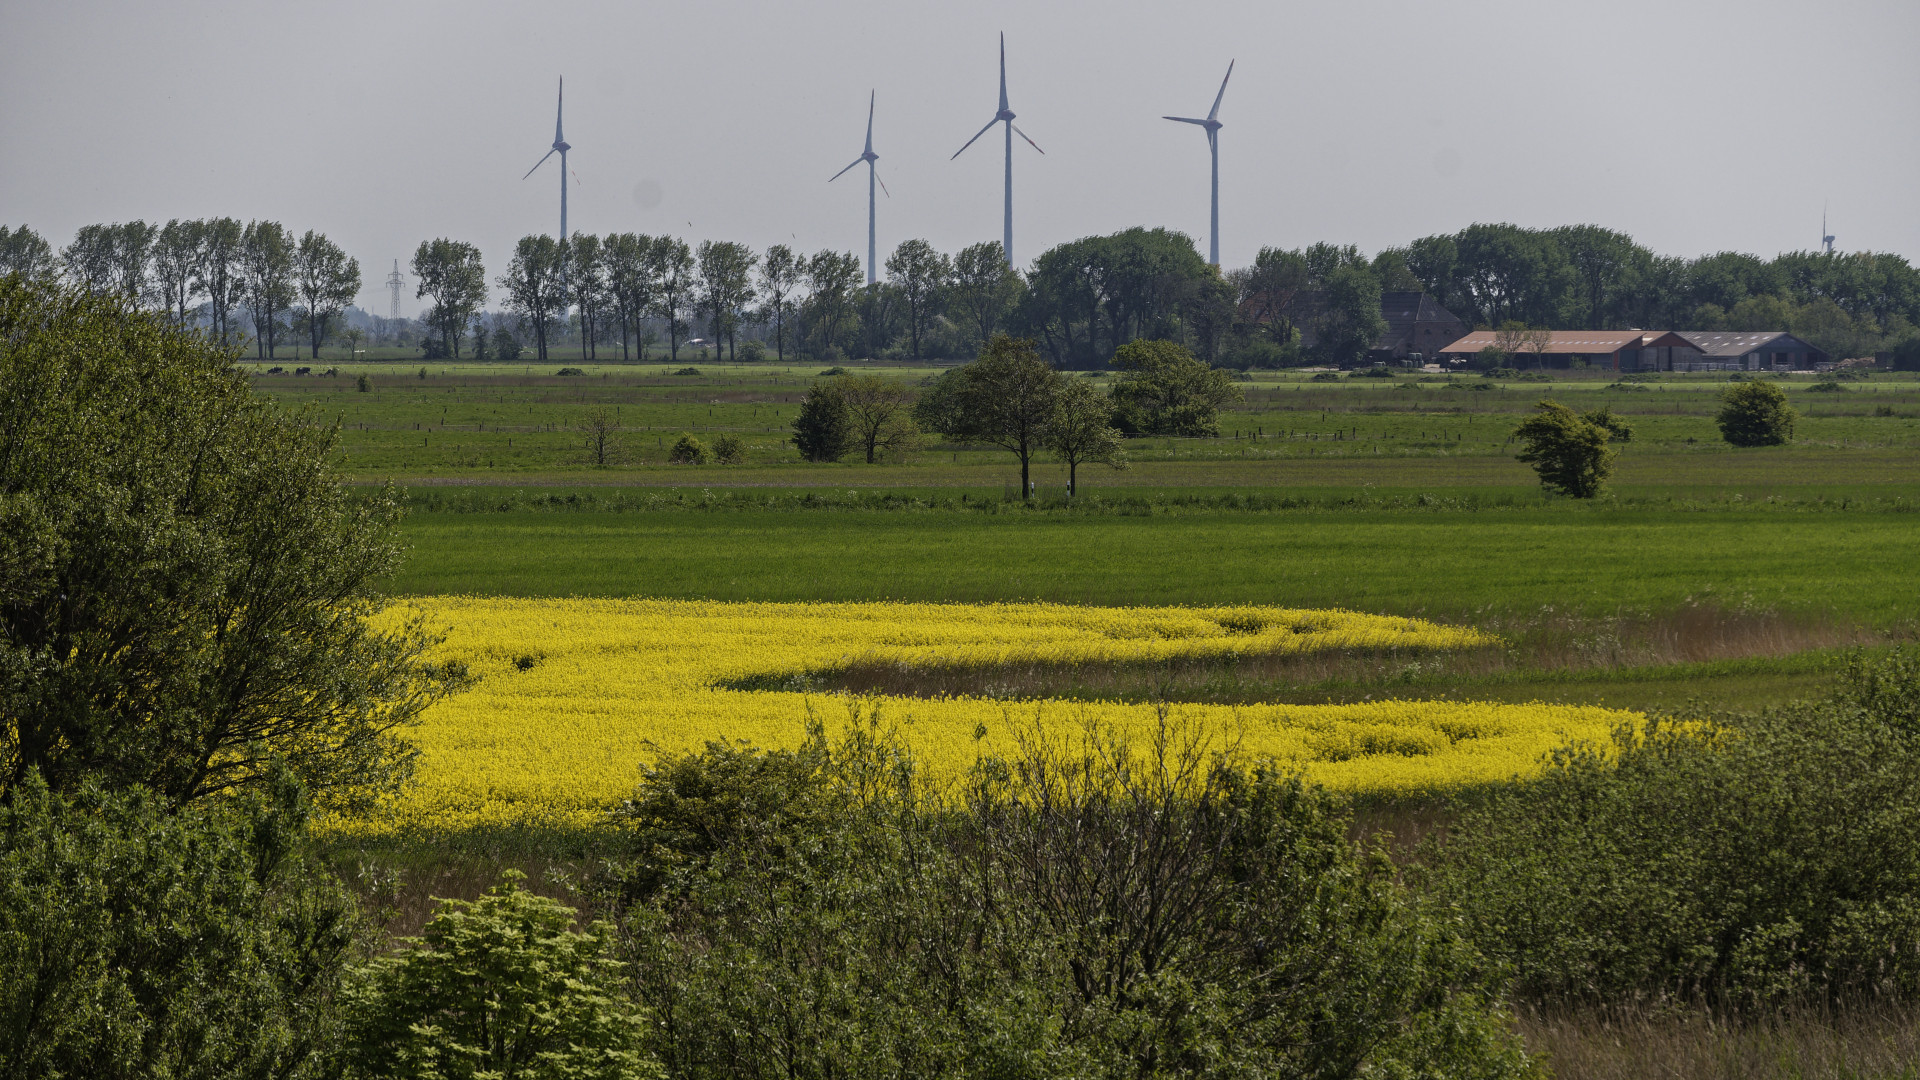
[
  {"x": 1539, "y": 644},
  {"x": 1870, "y": 1040}
]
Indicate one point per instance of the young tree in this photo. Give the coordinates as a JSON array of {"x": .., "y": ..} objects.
[
  {"x": 780, "y": 274},
  {"x": 176, "y": 251},
  {"x": 26, "y": 253},
  {"x": 1163, "y": 390},
  {"x": 266, "y": 266},
  {"x": 983, "y": 287},
  {"x": 586, "y": 279},
  {"x": 533, "y": 287},
  {"x": 497, "y": 987},
  {"x": 1755, "y": 414},
  {"x": 600, "y": 437},
  {"x": 451, "y": 273},
  {"x": 832, "y": 277},
  {"x": 630, "y": 282},
  {"x": 1537, "y": 341},
  {"x": 672, "y": 263},
  {"x": 1083, "y": 433},
  {"x": 1570, "y": 452},
  {"x": 186, "y": 621},
  {"x": 879, "y": 413},
  {"x": 822, "y": 430},
  {"x": 327, "y": 280},
  {"x": 217, "y": 272},
  {"x": 1009, "y": 397},
  {"x": 921, "y": 274}
]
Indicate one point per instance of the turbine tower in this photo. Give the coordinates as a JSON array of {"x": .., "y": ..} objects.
[
  {"x": 1826, "y": 238},
  {"x": 873, "y": 177},
  {"x": 1212, "y": 124},
  {"x": 559, "y": 147},
  {"x": 1005, "y": 115}
]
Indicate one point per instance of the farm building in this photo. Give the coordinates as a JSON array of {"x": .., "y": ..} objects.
[
  {"x": 1613, "y": 350},
  {"x": 1733, "y": 351}
]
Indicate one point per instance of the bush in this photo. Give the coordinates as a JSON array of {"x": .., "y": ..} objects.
[
  {"x": 1500, "y": 373},
  {"x": 1827, "y": 386},
  {"x": 1743, "y": 859},
  {"x": 1086, "y": 909},
  {"x": 1377, "y": 371},
  {"x": 140, "y": 939},
  {"x": 1325, "y": 376},
  {"x": 1755, "y": 414},
  {"x": 832, "y": 371},
  {"x": 506, "y": 346},
  {"x": 729, "y": 450},
  {"x": 688, "y": 451},
  {"x": 502, "y": 986},
  {"x": 753, "y": 351},
  {"x": 1569, "y": 451},
  {"x": 1628, "y": 387},
  {"x": 570, "y": 371},
  {"x": 823, "y": 429},
  {"x": 364, "y": 385},
  {"x": 688, "y": 371}
]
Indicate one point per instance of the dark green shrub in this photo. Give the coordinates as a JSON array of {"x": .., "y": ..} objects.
[
  {"x": 1500, "y": 373},
  {"x": 1741, "y": 859},
  {"x": 1570, "y": 452},
  {"x": 1325, "y": 376},
  {"x": 140, "y": 939},
  {"x": 1377, "y": 371},
  {"x": 832, "y": 371},
  {"x": 1087, "y": 909},
  {"x": 729, "y": 450},
  {"x": 1827, "y": 386},
  {"x": 570, "y": 371},
  {"x": 1755, "y": 413},
  {"x": 688, "y": 371},
  {"x": 364, "y": 385},
  {"x": 823, "y": 429}
]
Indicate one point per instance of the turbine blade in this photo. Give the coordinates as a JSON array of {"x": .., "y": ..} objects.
[
  {"x": 559, "y": 111},
  {"x": 870, "y": 97},
  {"x": 976, "y": 138},
  {"x": 1222, "y": 93},
  {"x": 1185, "y": 120},
  {"x": 1022, "y": 134},
  {"x": 883, "y": 184},
  {"x": 539, "y": 163},
  {"x": 1003, "y": 71},
  {"x": 843, "y": 172}
]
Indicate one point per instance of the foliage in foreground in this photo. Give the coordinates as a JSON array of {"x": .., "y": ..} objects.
[
  {"x": 184, "y": 584},
  {"x": 1090, "y": 909},
  {"x": 1739, "y": 859},
  {"x": 137, "y": 940},
  {"x": 503, "y": 986}
]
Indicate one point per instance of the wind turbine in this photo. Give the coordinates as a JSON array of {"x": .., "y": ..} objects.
[
  {"x": 1212, "y": 124},
  {"x": 1005, "y": 115},
  {"x": 1825, "y": 237},
  {"x": 559, "y": 147},
  {"x": 869, "y": 157}
]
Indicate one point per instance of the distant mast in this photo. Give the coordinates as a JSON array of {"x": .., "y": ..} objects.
[
  {"x": 873, "y": 177},
  {"x": 1004, "y": 116},
  {"x": 394, "y": 281}
]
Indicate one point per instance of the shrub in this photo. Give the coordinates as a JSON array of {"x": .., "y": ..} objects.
[
  {"x": 1755, "y": 414},
  {"x": 753, "y": 351},
  {"x": 1162, "y": 389},
  {"x": 1089, "y": 908},
  {"x": 729, "y": 450},
  {"x": 141, "y": 939},
  {"x": 1827, "y": 386},
  {"x": 570, "y": 371},
  {"x": 1628, "y": 387},
  {"x": 1569, "y": 451},
  {"x": 1325, "y": 376},
  {"x": 688, "y": 371},
  {"x": 1744, "y": 859},
  {"x": 823, "y": 429},
  {"x": 832, "y": 371},
  {"x": 688, "y": 451},
  {"x": 364, "y": 385},
  {"x": 506, "y": 346},
  {"x": 1377, "y": 371},
  {"x": 501, "y": 986},
  {"x": 1500, "y": 373}
]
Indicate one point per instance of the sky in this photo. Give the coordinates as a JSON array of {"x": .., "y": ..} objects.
[{"x": 1696, "y": 126}]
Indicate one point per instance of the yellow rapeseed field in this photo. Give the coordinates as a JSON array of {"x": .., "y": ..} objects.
[{"x": 575, "y": 695}]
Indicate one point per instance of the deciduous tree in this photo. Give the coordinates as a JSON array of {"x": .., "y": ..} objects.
[
  {"x": 266, "y": 266},
  {"x": 726, "y": 286},
  {"x": 1570, "y": 452},
  {"x": 832, "y": 278},
  {"x": 1083, "y": 433},
  {"x": 983, "y": 288},
  {"x": 534, "y": 288},
  {"x": 176, "y": 251},
  {"x": 673, "y": 269},
  {"x": 781, "y": 272},
  {"x": 921, "y": 274},
  {"x": 451, "y": 273},
  {"x": 879, "y": 412},
  {"x": 188, "y": 597},
  {"x": 218, "y": 272},
  {"x": 26, "y": 253},
  {"x": 1164, "y": 390},
  {"x": 586, "y": 278},
  {"x": 1009, "y": 397},
  {"x": 327, "y": 280},
  {"x": 630, "y": 282},
  {"x": 1755, "y": 414},
  {"x": 822, "y": 430}
]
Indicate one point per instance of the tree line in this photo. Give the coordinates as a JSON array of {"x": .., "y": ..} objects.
[
  {"x": 206, "y": 270},
  {"x": 1079, "y": 301}
]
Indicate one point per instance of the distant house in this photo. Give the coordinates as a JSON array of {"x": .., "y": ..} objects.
[
  {"x": 1417, "y": 326},
  {"x": 1716, "y": 350},
  {"x": 1611, "y": 350}
]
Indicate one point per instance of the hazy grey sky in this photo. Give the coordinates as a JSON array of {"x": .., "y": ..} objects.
[{"x": 1694, "y": 125}]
